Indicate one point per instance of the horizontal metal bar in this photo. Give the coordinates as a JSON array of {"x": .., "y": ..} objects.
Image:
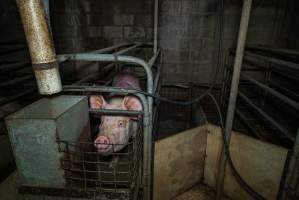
[
  {"x": 18, "y": 95},
  {"x": 17, "y": 80},
  {"x": 123, "y": 51},
  {"x": 242, "y": 117},
  {"x": 267, "y": 117},
  {"x": 277, "y": 50},
  {"x": 277, "y": 61},
  {"x": 82, "y": 88},
  {"x": 13, "y": 66},
  {"x": 111, "y": 48},
  {"x": 286, "y": 90},
  {"x": 115, "y": 112},
  {"x": 271, "y": 91}
]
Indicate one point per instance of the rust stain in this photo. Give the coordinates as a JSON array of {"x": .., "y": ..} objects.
[{"x": 37, "y": 31}]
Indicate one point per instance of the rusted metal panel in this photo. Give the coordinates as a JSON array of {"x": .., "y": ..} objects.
[{"x": 34, "y": 131}]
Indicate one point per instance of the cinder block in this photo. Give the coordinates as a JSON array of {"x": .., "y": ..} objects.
[
  {"x": 84, "y": 5},
  {"x": 175, "y": 56},
  {"x": 193, "y": 7},
  {"x": 94, "y": 31},
  {"x": 171, "y": 7},
  {"x": 121, "y": 19},
  {"x": 134, "y": 32},
  {"x": 112, "y": 31},
  {"x": 144, "y": 20}
]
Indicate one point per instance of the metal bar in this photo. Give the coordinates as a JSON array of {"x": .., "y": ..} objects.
[
  {"x": 18, "y": 95},
  {"x": 291, "y": 177},
  {"x": 13, "y": 66},
  {"x": 115, "y": 112},
  {"x": 233, "y": 93},
  {"x": 267, "y": 117},
  {"x": 17, "y": 80},
  {"x": 47, "y": 9},
  {"x": 277, "y": 61},
  {"x": 156, "y": 20},
  {"x": 242, "y": 117},
  {"x": 158, "y": 74},
  {"x": 153, "y": 59},
  {"x": 277, "y": 50},
  {"x": 41, "y": 46},
  {"x": 111, "y": 48},
  {"x": 128, "y": 49},
  {"x": 271, "y": 91},
  {"x": 286, "y": 90}
]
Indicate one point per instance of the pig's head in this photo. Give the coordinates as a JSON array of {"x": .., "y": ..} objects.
[{"x": 114, "y": 131}]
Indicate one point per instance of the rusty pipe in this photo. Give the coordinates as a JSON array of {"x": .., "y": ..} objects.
[{"x": 41, "y": 46}]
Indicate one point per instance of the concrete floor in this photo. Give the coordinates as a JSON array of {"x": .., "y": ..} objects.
[
  {"x": 8, "y": 191},
  {"x": 199, "y": 192}
]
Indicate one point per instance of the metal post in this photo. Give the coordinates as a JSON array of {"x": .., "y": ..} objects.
[
  {"x": 156, "y": 15},
  {"x": 292, "y": 173},
  {"x": 41, "y": 46},
  {"x": 233, "y": 93}
]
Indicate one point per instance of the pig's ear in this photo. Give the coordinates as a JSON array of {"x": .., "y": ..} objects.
[
  {"x": 132, "y": 103},
  {"x": 97, "y": 102}
]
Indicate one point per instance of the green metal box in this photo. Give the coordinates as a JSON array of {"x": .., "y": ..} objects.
[{"x": 34, "y": 131}]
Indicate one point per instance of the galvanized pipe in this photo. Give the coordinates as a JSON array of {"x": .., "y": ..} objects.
[
  {"x": 156, "y": 15},
  {"x": 115, "y": 112},
  {"x": 111, "y": 48},
  {"x": 126, "y": 50},
  {"x": 41, "y": 46},
  {"x": 277, "y": 50},
  {"x": 242, "y": 117},
  {"x": 267, "y": 117},
  {"x": 271, "y": 91},
  {"x": 290, "y": 65},
  {"x": 233, "y": 93}
]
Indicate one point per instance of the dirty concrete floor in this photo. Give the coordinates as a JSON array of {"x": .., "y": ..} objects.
[{"x": 199, "y": 192}]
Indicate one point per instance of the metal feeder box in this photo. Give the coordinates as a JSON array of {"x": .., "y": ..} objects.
[{"x": 34, "y": 132}]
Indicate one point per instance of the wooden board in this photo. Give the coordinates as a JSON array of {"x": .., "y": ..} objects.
[
  {"x": 179, "y": 162},
  {"x": 259, "y": 163}
]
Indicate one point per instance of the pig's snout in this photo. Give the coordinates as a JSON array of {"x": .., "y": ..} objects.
[{"x": 102, "y": 143}]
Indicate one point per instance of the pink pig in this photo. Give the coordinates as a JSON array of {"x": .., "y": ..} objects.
[{"x": 115, "y": 131}]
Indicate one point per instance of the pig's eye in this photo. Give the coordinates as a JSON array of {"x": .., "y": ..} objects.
[{"x": 121, "y": 123}]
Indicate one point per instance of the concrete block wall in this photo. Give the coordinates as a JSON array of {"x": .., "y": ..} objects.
[
  {"x": 188, "y": 30},
  {"x": 189, "y": 35},
  {"x": 85, "y": 25}
]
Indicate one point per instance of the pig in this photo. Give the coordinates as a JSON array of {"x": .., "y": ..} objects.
[{"x": 115, "y": 131}]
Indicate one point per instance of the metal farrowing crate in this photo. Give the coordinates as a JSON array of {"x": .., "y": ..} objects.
[{"x": 115, "y": 176}]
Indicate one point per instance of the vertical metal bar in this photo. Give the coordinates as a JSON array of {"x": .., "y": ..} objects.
[
  {"x": 47, "y": 9},
  {"x": 292, "y": 173},
  {"x": 156, "y": 15},
  {"x": 41, "y": 46},
  {"x": 233, "y": 93}
]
